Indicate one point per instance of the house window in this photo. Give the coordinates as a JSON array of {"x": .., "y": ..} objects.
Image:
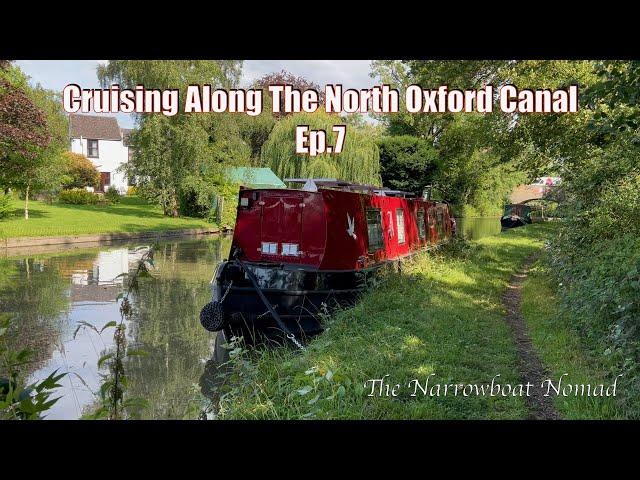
[
  {"x": 422, "y": 229},
  {"x": 374, "y": 229},
  {"x": 92, "y": 148},
  {"x": 400, "y": 224}
]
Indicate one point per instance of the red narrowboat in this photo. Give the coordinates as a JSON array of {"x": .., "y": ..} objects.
[{"x": 298, "y": 252}]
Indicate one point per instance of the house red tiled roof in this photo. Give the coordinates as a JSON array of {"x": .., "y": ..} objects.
[{"x": 94, "y": 127}]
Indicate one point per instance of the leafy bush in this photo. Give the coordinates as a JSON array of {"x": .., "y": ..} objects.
[
  {"x": 80, "y": 171},
  {"x": 112, "y": 195},
  {"x": 618, "y": 211},
  {"x": 77, "y": 196},
  {"x": 132, "y": 190},
  {"x": 202, "y": 198},
  {"x": 5, "y": 205},
  {"x": 407, "y": 163},
  {"x": 601, "y": 289}
]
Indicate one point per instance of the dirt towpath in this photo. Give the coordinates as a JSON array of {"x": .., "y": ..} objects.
[{"x": 529, "y": 365}]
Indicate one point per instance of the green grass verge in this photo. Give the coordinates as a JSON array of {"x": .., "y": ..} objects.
[
  {"x": 559, "y": 347},
  {"x": 443, "y": 315},
  {"x": 132, "y": 214}
]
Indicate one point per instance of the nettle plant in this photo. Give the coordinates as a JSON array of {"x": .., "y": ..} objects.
[
  {"x": 19, "y": 401},
  {"x": 114, "y": 403}
]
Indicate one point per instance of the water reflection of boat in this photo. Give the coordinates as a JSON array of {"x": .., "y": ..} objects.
[{"x": 215, "y": 369}]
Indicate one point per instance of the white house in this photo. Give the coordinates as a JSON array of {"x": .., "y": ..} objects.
[{"x": 101, "y": 140}]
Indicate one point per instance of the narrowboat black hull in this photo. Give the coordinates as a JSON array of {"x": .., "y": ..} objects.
[
  {"x": 512, "y": 222},
  {"x": 300, "y": 296}
]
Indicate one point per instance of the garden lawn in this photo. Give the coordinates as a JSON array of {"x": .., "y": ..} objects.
[
  {"x": 132, "y": 214},
  {"x": 443, "y": 315}
]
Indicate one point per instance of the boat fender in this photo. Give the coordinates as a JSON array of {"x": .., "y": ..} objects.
[{"x": 212, "y": 316}]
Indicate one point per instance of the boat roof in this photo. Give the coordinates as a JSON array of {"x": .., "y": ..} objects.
[
  {"x": 254, "y": 177},
  {"x": 312, "y": 184}
]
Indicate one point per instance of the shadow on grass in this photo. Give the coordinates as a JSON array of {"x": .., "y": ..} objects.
[
  {"x": 18, "y": 213},
  {"x": 141, "y": 212}
]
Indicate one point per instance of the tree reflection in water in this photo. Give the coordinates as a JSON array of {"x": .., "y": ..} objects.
[{"x": 52, "y": 293}]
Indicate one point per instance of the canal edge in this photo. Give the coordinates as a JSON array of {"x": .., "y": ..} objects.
[{"x": 17, "y": 242}]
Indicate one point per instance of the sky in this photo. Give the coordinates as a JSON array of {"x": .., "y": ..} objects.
[{"x": 56, "y": 74}]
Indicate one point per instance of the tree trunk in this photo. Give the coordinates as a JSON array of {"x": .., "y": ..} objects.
[
  {"x": 26, "y": 203},
  {"x": 173, "y": 206}
]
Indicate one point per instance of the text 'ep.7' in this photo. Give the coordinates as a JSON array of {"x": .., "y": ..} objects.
[{"x": 315, "y": 142}]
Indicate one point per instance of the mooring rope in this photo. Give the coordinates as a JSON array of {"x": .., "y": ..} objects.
[{"x": 272, "y": 311}]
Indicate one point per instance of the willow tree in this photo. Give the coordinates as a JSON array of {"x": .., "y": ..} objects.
[
  {"x": 180, "y": 160},
  {"x": 359, "y": 160}
]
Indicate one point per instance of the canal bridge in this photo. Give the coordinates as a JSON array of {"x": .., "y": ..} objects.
[{"x": 536, "y": 191}]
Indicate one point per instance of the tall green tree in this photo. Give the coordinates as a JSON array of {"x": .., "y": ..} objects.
[
  {"x": 179, "y": 160},
  {"x": 613, "y": 97},
  {"x": 33, "y": 135},
  {"x": 431, "y": 74},
  {"x": 407, "y": 163},
  {"x": 471, "y": 145},
  {"x": 164, "y": 74}
]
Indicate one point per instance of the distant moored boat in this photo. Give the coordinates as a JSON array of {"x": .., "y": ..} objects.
[{"x": 515, "y": 215}]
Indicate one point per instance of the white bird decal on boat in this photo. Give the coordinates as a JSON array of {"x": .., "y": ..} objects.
[{"x": 351, "y": 227}]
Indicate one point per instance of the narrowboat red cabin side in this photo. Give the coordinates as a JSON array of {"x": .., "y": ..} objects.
[{"x": 312, "y": 248}]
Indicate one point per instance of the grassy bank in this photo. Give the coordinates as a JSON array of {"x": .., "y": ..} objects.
[
  {"x": 132, "y": 214},
  {"x": 561, "y": 350},
  {"x": 443, "y": 316}
]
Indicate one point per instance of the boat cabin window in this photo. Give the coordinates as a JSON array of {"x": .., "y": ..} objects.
[
  {"x": 270, "y": 248},
  {"x": 374, "y": 229},
  {"x": 400, "y": 224},
  {"x": 440, "y": 222},
  {"x": 430, "y": 218},
  {"x": 290, "y": 249},
  {"x": 422, "y": 229}
]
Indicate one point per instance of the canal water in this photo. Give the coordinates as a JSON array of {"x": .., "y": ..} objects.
[{"x": 51, "y": 295}]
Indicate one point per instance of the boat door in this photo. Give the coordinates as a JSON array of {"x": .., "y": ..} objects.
[{"x": 281, "y": 225}]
